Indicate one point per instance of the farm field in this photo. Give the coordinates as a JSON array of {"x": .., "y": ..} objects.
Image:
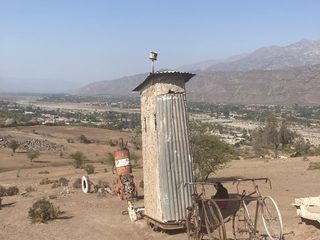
[
  {"x": 68, "y": 106},
  {"x": 87, "y": 216}
]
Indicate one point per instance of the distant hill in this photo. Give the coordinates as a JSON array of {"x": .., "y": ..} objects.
[
  {"x": 304, "y": 52},
  {"x": 120, "y": 86},
  {"x": 205, "y": 65},
  {"x": 299, "y": 85},
  {"x": 289, "y": 86},
  {"x": 270, "y": 75}
]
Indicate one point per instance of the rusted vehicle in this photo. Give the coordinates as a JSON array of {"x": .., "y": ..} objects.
[
  {"x": 308, "y": 208},
  {"x": 206, "y": 218},
  {"x": 125, "y": 185}
]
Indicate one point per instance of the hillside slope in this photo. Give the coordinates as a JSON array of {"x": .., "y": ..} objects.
[
  {"x": 302, "y": 53},
  {"x": 299, "y": 85}
]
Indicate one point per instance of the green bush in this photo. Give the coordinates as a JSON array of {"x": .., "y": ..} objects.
[
  {"x": 43, "y": 210},
  {"x": 79, "y": 159},
  {"x": 109, "y": 159},
  {"x": 14, "y": 145},
  {"x": 210, "y": 154},
  {"x": 89, "y": 169}
]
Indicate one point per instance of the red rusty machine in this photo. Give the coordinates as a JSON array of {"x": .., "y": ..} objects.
[{"x": 125, "y": 186}]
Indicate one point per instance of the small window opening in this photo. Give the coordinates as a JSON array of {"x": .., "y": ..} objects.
[{"x": 145, "y": 124}]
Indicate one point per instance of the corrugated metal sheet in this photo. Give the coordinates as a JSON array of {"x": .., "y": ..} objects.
[
  {"x": 175, "y": 160},
  {"x": 164, "y": 75}
]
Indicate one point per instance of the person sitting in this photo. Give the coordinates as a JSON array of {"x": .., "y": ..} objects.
[{"x": 222, "y": 193}]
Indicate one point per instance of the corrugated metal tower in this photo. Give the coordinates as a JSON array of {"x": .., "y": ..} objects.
[{"x": 167, "y": 159}]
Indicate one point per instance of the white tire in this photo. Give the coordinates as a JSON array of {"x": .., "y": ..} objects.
[{"x": 85, "y": 184}]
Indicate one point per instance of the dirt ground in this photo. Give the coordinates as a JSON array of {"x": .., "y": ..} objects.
[{"x": 87, "y": 216}]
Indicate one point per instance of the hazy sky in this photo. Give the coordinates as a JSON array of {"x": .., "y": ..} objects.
[{"x": 61, "y": 44}]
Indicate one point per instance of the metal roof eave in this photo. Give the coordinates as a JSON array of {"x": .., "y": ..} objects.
[{"x": 185, "y": 75}]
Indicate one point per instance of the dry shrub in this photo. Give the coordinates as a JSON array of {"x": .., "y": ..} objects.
[
  {"x": 113, "y": 143},
  {"x": 55, "y": 185},
  {"x": 314, "y": 166},
  {"x": 33, "y": 155},
  {"x": 47, "y": 181},
  {"x": 43, "y": 172},
  {"x": 30, "y": 189},
  {"x": 3, "y": 191},
  {"x": 103, "y": 184},
  {"x": 53, "y": 196},
  {"x": 83, "y": 139},
  {"x": 89, "y": 169},
  {"x": 70, "y": 140},
  {"x": 43, "y": 210},
  {"x": 77, "y": 183},
  {"x": 63, "y": 181},
  {"x": 11, "y": 191},
  {"x": 100, "y": 188}
]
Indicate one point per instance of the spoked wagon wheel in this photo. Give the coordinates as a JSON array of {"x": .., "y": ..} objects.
[
  {"x": 271, "y": 218},
  {"x": 242, "y": 224},
  {"x": 214, "y": 222}
]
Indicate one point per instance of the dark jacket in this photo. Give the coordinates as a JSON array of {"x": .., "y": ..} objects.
[{"x": 222, "y": 193}]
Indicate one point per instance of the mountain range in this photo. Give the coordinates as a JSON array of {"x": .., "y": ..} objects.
[{"x": 269, "y": 75}]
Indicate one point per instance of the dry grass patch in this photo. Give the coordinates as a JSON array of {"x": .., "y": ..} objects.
[{"x": 314, "y": 166}]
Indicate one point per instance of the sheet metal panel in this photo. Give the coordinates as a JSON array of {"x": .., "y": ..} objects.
[
  {"x": 175, "y": 160},
  {"x": 164, "y": 75}
]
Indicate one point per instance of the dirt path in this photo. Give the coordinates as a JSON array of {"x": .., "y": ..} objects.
[{"x": 90, "y": 217}]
